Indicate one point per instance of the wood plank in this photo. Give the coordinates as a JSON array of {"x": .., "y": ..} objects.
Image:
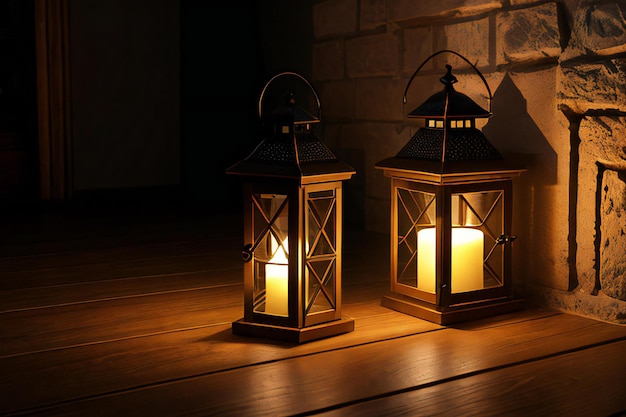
[
  {"x": 87, "y": 292},
  {"x": 115, "y": 270},
  {"x": 76, "y": 324},
  {"x": 590, "y": 382},
  {"x": 119, "y": 253},
  {"x": 39, "y": 232},
  {"x": 341, "y": 376}
]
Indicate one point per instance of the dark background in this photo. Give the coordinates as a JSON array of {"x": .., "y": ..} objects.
[{"x": 164, "y": 93}]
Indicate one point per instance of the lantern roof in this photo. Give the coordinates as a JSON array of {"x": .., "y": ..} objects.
[
  {"x": 449, "y": 103},
  {"x": 294, "y": 153},
  {"x": 457, "y": 172},
  {"x": 447, "y": 147},
  {"x": 290, "y": 113},
  {"x": 298, "y": 156}
]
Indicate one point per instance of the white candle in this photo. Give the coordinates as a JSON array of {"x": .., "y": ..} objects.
[
  {"x": 426, "y": 256},
  {"x": 467, "y": 259},
  {"x": 277, "y": 283}
]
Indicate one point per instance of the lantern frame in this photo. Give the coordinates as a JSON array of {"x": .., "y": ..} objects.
[
  {"x": 436, "y": 286},
  {"x": 299, "y": 203}
]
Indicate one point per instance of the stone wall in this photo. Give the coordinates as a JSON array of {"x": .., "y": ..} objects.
[{"x": 556, "y": 71}]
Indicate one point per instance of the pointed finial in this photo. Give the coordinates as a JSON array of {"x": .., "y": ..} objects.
[
  {"x": 290, "y": 98},
  {"x": 449, "y": 78}
]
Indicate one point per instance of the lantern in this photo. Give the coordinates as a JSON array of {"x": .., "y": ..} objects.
[
  {"x": 292, "y": 227},
  {"x": 450, "y": 213}
]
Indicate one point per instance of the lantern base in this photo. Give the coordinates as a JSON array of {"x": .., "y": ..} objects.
[
  {"x": 291, "y": 334},
  {"x": 453, "y": 314}
]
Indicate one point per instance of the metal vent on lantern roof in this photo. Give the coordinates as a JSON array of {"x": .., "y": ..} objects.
[
  {"x": 460, "y": 145},
  {"x": 308, "y": 145}
]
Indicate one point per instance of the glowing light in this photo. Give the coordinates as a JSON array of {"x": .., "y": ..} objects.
[
  {"x": 277, "y": 282},
  {"x": 467, "y": 259}
]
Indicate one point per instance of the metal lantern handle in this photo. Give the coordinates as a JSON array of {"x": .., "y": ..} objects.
[
  {"x": 482, "y": 77},
  {"x": 286, "y": 73}
]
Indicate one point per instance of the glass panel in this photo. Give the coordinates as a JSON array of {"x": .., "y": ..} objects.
[
  {"x": 320, "y": 285},
  {"x": 477, "y": 258},
  {"x": 415, "y": 251},
  {"x": 271, "y": 254},
  {"x": 320, "y": 295},
  {"x": 494, "y": 228},
  {"x": 322, "y": 217}
]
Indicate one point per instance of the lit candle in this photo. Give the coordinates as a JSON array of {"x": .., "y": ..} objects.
[
  {"x": 467, "y": 259},
  {"x": 426, "y": 256},
  {"x": 277, "y": 283}
]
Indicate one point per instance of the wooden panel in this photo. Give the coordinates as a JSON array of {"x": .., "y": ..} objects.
[
  {"x": 325, "y": 379},
  {"x": 591, "y": 382}
]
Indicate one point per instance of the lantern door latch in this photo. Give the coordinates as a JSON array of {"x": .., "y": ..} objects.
[
  {"x": 246, "y": 252},
  {"x": 505, "y": 239}
]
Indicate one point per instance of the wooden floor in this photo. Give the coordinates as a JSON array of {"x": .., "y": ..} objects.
[{"x": 127, "y": 312}]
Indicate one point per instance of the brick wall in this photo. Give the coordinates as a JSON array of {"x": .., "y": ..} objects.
[{"x": 559, "y": 97}]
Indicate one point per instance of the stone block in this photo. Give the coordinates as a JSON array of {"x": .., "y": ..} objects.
[
  {"x": 598, "y": 30},
  {"x": 599, "y": 307},
  {"x": 373, "y": 14},
  {"x": 528, "y": 127},
  {"x": 337, "y": 99},
  {"x": 522, "y": 2},
  {"x": 613, "y": 234},
  {"x": 421, "y": 88},
  {"x": 470, "y": 39},
  {"x": 334, "y": 17},
  {"x": 417, "y": 47},
  {"x": 376, "y": 55},
  {"x": 328, "y": 60},
  {"x": 528, "y": 35},
  {"x": 471, "y": 85},
  {"x": 379, "y": 99},
  {"x": 602, "y": 140},
  {"x": 594, "y": 86},
  {"x": 429, "y": 10}
]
